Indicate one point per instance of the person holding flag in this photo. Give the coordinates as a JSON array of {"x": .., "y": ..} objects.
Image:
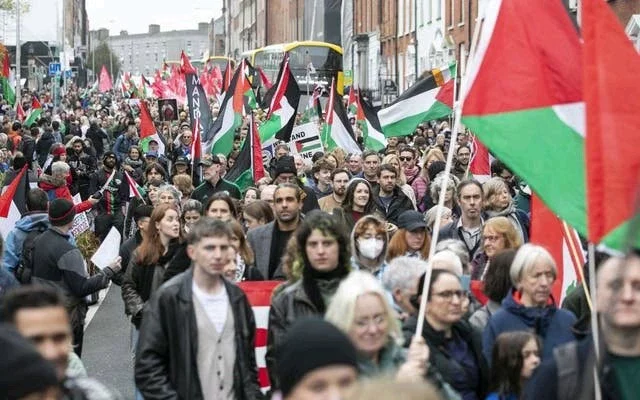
[{"x": 213, "y": 182}]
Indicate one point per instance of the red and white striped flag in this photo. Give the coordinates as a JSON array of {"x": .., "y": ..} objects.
[
  {"x": 562, "y": 241},
  {"x": 259, "y": 295}
]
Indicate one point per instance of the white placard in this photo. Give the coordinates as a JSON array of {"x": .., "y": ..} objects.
[
  {"x": 108, "y": 251},
  {"x": 305, "y": 141}
]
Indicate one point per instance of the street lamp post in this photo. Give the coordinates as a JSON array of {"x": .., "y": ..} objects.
[{"x": 18, "y": 49}]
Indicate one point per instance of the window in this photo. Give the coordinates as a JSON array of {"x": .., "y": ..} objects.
[
  {"x": 452, "y": 9},
  {"x": 462, "y": 57},
  {"x": 439, "y": 9},
  {"x": 461, "y": 15}
]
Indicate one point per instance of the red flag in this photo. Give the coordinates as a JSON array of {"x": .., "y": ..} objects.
[
  {"x": 196, "y": 144},
  {"x": 147, "y": 128},
  {"x": 105, "y": 80},
  {"x": 227, "y": 76},
  {"x": 257, "y": 164},
  {"x": 611, "y": 67},
  {"x": 20, "y": 112},
  {"x": 265, "y": 80},
  {"x": 185, "y": 65},
  {"x": 548, "y": 231},
  {"x": 259, "y": 295},
  {"x": 35, "y": 103},
  {"x": 13, "y": 202},
  {"x": 6, "y": 65},
  {"x": 480, "y": 164}
]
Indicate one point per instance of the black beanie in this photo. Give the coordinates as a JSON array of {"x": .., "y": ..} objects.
[
  {"x": 285, "y": 165},
  {"x": 61, "y": 212},
  {"x": 310, "y": 344},
  {"x": 23, "y": 371}
]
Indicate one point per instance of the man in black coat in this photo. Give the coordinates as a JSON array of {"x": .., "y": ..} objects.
[{"x": 193, "y": 319}]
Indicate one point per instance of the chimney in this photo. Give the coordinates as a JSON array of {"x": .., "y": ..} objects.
[{"x": 154, "y": 28}]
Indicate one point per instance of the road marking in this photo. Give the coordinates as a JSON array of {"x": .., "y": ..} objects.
[{"x": 94, "y": 308}]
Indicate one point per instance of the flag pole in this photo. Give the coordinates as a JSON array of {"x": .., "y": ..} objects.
[
  {"x": 457, "y": 110},
  {"x": 594, "y": 319}
]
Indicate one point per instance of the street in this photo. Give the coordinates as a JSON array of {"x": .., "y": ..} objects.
[{"x": 106, "y": 345}]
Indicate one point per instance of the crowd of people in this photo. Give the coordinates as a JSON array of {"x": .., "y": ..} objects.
[{"x": 348, "y": 236}]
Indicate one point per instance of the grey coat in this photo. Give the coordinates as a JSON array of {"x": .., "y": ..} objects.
[{"x": 260, "y": 241}]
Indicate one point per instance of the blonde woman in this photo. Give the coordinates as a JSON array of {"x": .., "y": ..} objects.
[
  {"x": 498, "y": 203},
  {"x": 401, "y": 181},
  {"x": 360, "y": 309},
  {"x": 420, "y": 185}
]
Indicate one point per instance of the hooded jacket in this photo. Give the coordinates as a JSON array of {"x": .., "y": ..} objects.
[
  {"x": 551, "y": 324},
  {"x": 57, "y": 188},
  {"x": 15, "y": 239}
]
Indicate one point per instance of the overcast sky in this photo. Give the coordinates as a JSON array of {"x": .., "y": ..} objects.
[{"x": 135, "y": 16}]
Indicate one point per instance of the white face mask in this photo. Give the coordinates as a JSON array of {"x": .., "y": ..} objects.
[{"x": 370, "y": 248}]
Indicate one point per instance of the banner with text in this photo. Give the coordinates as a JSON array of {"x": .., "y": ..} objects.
[{"x": 305, "y": 141}]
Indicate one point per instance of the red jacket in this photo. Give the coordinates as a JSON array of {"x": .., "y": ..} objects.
[{"x": 58, "y": 189}]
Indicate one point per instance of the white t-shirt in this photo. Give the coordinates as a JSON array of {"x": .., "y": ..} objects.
[{"x": 216, "y": 306}]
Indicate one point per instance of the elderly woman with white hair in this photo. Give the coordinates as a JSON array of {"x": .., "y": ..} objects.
[
  {"x": 401, "y": 280},
  {"x": 359, "y": 309},
  {"x": 530, "y": 305}
]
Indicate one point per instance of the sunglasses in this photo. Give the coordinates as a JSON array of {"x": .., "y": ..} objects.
[{"x": 405, "y": 158}]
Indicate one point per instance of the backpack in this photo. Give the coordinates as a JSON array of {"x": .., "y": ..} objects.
[{"x": 25, "y": 267}]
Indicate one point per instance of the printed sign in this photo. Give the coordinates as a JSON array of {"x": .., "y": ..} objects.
[{"x": 305, "y": 141}]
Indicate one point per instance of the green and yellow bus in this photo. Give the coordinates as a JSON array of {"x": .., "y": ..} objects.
[
  {"x": 216, "y": 61},
  {"x": 310, "y": 62}
]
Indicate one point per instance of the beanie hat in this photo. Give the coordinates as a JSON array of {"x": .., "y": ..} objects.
[
  {"x": 23, "y": 371},
  {"x": 58, "y": 151},
  {"x": 107, "y": 154},
  {"x": 61, "y": 212},
  {"x": 285, "y": 165},
  {"x": 310, "y": 344},
  {"x": 435, "y": 168}
]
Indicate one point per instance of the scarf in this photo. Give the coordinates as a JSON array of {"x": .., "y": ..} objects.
[{"x": 134, "y": 163}]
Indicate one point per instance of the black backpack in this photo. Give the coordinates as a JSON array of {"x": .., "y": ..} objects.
[{"x": 25, "y": 266}]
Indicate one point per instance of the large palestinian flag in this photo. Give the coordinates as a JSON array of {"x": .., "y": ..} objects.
[
  {"x": 533, "y": 116},
  {"x": 220, "y": 137},
  {"x": 337, "y": 131},
  {"x": 431, "y": 97},
  {"x": 148, "y": 131},
  {"x": 249, "y": 167},
  {"x": 282, "y": 110}
]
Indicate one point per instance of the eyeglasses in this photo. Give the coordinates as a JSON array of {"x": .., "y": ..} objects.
[
  {"x": 448, "y": 294},
  {"x": 405, "y": 158}
]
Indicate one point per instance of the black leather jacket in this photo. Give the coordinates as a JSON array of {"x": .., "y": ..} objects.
[
  {"x": 287, "y": 306},
  {"x": 166, "y": 361}
]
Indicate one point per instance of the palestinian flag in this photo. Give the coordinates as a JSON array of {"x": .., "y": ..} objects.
[
  {"x": 264, "y": 79},
  {"x": 148, "y": 130},
  {"x": 313, "y": 111},
  {"x": 480, "y": 163},
  {"x": 336, "y": 131},
  {"x": 34, "y": 113},
  {"x": 310, "y": 144},
  {"x": 21, "y": 115},
  {"x": 13, "y": 202},
  {"x": 367, "y": 121},
  {"x": 533, "y": 117},
  {"x": 612, "y": 97},
  {"x": 105, "y": 80},
  {"x": 249, "y": 167},
  {"x": 282, "y": 110},
  {"x": 135, "y": 190},
  {"x": 227, "y": 77},
  {"x": 352, "y": 103},
  {"x": 431, "y": 97},
  {"x": 7, "y": 90},
  {"x": 548, "y": 231},
  {"x": 219, "y": 139}
]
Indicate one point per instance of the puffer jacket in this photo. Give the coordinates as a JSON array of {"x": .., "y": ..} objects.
[
  {"x": 551, "y": 324},
  {"x": 166, "y": 362},
  {"x": 15, "y": 240}
]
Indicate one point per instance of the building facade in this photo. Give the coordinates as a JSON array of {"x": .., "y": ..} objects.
[{"x": 144, "y": 53}]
